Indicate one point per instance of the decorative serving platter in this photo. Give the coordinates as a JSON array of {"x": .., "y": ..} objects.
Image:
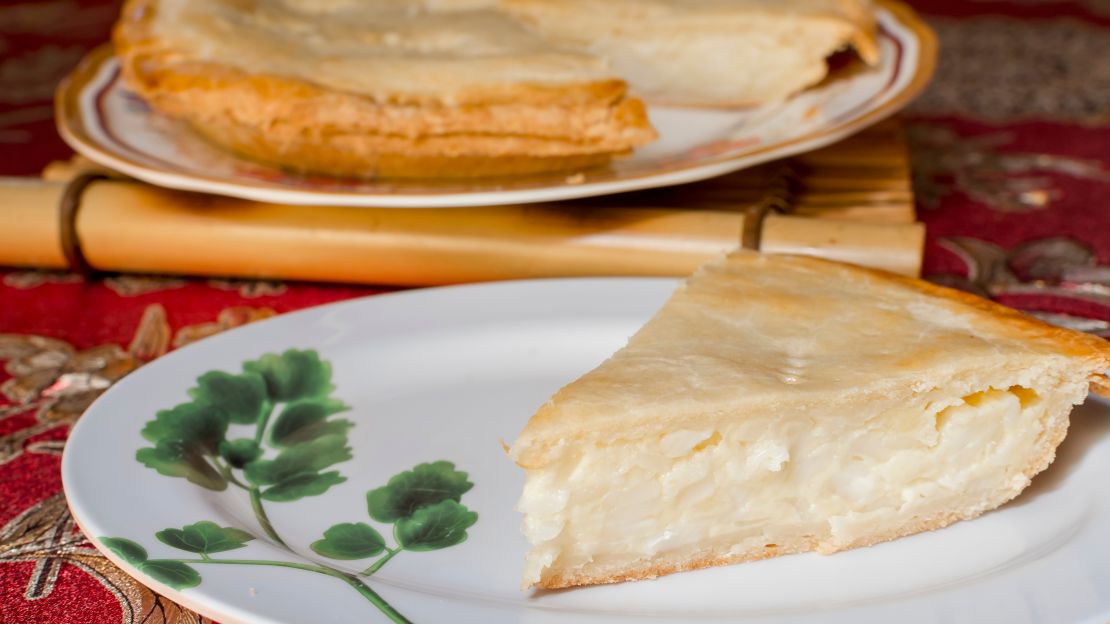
[{"x": 102, "y": 120}]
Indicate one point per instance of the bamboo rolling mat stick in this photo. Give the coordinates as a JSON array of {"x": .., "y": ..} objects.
[
  {"x": 857, "y": 211},
  {"x": 132, "y": 227}
]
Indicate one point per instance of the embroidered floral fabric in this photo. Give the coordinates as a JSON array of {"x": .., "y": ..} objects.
[{"x": 1011, "y": 155}]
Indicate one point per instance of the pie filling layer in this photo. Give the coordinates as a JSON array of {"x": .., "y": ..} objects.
[{"x": 766, "y": 480}]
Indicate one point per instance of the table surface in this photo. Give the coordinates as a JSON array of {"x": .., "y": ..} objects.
[{"x": 1011, "y": 154}]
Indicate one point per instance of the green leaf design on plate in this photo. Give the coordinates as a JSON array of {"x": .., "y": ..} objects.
[
  {"x": 182, "y": 436},
  {"x": 306, "y": 420},
  {"x": 300, "y": 486},
  {"x": 242, "y": 397},
  {"x": 127, "y": 550},
  {"x": 239, "y": 453},
  {"x": 173, "y": 573},
  {"x": 293, "y": 375},
  {"x": 350, "y": 541},
  {"x": 284, "y": 399},
  {"x": 426, "y": 484},
  {"x": 197, "y": 426},
  {"x": 435, "y": 526},
  {"x": 309, "y": 457},
  {"x": 173, "y": 458},
  {"x": 204, "y": 537}
]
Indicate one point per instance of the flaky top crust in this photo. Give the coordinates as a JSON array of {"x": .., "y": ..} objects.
[
  {"x": 448, "y": 52},
  {"x": 752, "y": 331},
  {"x": 713, "y": 16}
]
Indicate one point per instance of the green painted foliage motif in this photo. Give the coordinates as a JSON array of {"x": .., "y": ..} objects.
[
  {"x": 243, "y": 397},
  {"x": 307, "y": 420},
  {"x": 292, "y": 375},
  {"x": 435, "y": 526},
  {"x": 191, "y": 440},
  {"x": 204, "y": 538},
  {"x": 296, "y": 442},
  {"x": 423, "y": 506},
  {"x": 169, "y": 571},
  {"x": 350, "y": 541},
  {"x": 409, "y": 491},
  {"x": 126, "y": 549}
]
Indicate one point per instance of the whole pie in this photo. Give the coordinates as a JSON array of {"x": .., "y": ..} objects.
[
  {"x": 780, "y": 404},
  {"x": 464, "y": 88}
]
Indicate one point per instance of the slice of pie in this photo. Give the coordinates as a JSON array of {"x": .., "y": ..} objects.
[
  {"x": 782, "y": 404},
  {"x": 367, "y": 88},
  {"x": 709, "y": 52}
]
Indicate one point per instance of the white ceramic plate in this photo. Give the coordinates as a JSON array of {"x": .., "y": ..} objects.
[
  {"x": 101, "y": 120},
  {"x": 446, "y": 375}
]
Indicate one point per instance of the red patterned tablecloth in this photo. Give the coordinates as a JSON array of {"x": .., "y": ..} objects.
[{"x": 1011, "y": 154}]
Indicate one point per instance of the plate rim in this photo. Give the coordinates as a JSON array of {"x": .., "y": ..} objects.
[{"x": 73, "y": 129}]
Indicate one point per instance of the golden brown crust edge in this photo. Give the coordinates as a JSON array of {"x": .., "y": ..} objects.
[
  {"x": 301, "y": 147},
  {"x": 202, "y": 89},
  {"x": 864, "y": 36},
  {"x": 288, "y": 107},
  {"x": 349, "y": 159},
  {"x": 520, "y": 129},
  {"x": 1073, "y": 343},
  {"x": 1101, "y": 386},
  {"x": 1052, "y": 438}
]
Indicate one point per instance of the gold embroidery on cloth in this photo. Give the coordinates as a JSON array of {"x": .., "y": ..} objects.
[
  {"x": 944, "y": 162},
  {"x": 1057, "y": 267},
  {"x": 46, "y": 535},
  {"x": 59, "y": 382}
]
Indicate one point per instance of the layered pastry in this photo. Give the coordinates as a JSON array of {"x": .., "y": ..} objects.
[
  {"x": 709, "y": 52},
  {"x": 780, "y": 404},
  {"x": 371, "y": 88}
]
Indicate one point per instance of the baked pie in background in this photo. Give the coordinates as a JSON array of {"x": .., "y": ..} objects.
[
  {"x": 377, "y": 88},
  {"x": 466, "y": 88}
]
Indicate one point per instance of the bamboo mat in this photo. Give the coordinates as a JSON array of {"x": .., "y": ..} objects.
[{"x": 851, "y": 201}]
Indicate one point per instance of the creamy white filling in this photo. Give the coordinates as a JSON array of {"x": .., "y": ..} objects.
[{"x": 817, "y": 477}]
